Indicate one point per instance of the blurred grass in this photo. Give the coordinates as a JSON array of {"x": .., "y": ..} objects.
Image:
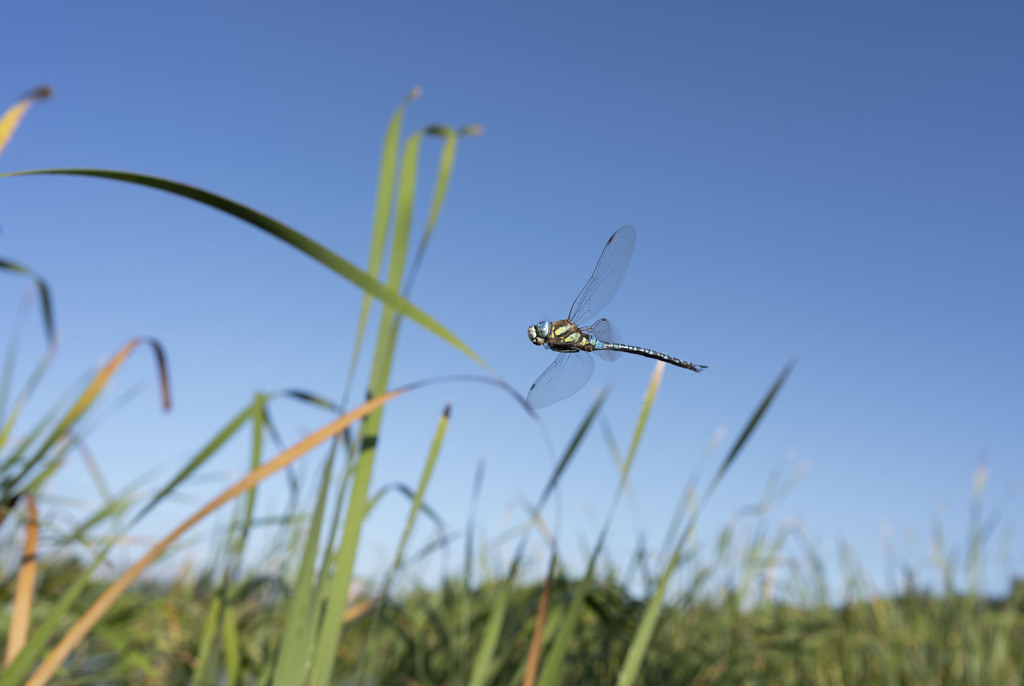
[
  {"x": 705, "y": 634},
  {"x": 750, "y": 608}
]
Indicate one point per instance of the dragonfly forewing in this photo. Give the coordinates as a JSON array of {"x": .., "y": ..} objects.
[{"x": 607, "y": 277}]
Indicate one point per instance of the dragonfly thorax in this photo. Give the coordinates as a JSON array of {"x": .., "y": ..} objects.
[{"x": 539, "y": 332}]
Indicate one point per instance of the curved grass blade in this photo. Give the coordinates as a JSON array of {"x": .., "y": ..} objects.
[
  {"x": 389, "y": 296},
  {"x": 88, "y": 397},
  {"x": 44, "y": 294}
]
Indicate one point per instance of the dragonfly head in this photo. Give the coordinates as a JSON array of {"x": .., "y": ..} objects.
[{"x": 539, "y": 332}]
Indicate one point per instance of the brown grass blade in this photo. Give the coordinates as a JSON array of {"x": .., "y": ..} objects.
[{"x": 25, "y": 585}]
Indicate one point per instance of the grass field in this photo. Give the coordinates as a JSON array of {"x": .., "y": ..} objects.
[{"x": 740, "y": 612}]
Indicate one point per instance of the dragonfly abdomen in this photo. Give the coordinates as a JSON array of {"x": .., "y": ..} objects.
[{"x": 654, "y": 354}]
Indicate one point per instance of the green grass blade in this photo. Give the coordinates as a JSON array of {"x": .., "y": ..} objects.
[
  {"x": 220, "y": 438},
  {"x": 570, "y": 452},
  {"x": 485, "y": 665},
  {"x": 641, "y": 423},
  {"x": 749, "y": 428},
  {"x": 381, "y": 221},
  {"x": 296, "y": 642},
  {"x": 232, "y": 645},
  {"x": 337, "y": 592},
  {"x": 336, "y": 599},
  {"x": 421, "y": 489},
  {"x": 320, "y": 253},
  {"x": 414, "y": 512},
  {"x": 442, "y": 179},
  {"x": 636, "y": 653},
  {"x": 206, "y": 664},
  {"x": 403, "y": 211},
  {"x": 23, "y": 397},
  {"x": 248, "y": 499},
  {"x": 631, "y": 666}
]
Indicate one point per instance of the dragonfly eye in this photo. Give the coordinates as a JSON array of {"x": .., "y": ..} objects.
[{"x": 539, "y": 332}]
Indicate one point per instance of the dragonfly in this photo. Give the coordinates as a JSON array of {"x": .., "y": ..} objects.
[{"x": 574, "y": 365}]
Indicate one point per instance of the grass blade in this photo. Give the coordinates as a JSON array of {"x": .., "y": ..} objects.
[
  {"x": 484, "y": 665},
  {"x": 220, "y": 438},
  {"x": 336, "y": 600},
  {"x": 421, "y": 489},
  {"x": 381, "y": 221},
  {"x": 570, "y": 452},
  {"x": 749, "y": 428},
  {"x": 320, "y": 253},
  {"x": 45, "y": 301},
  {"x": 445, "y": 166},
  {"x": 24, "y": 585},
  {"x": 206, "y": 665},
  {"x": 296, "y": 644}
]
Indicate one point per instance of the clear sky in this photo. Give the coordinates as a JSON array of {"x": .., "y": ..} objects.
[{"x": 838, "y": 181}]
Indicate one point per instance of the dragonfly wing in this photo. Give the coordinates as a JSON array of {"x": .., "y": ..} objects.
[
  {"x": 602, "y": 331},
  {"x": 604, "y": 282},
  {"x": 566, "y": 375}
]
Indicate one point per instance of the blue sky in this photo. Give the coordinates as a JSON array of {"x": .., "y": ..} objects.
[{"x": 838, "y": 182}]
